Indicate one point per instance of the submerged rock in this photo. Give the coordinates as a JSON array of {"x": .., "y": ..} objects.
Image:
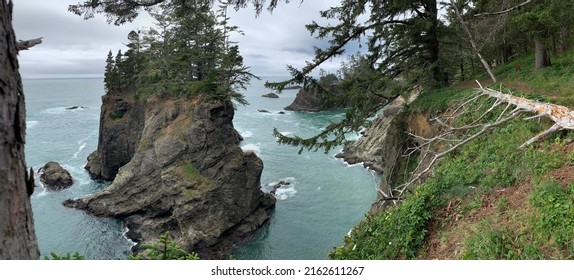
[
  {"x": 187, "y": 175},
  {"x": 278, "y": 186},
  {"x": 75, "y": 107},
  {"x": 263, "y": 111},
  {"x": 270, "y": 95},
  {"x": 55, "y": 177}
]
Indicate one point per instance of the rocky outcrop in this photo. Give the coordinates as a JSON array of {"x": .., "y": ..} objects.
[
  {"x": 383, "y": 143},
  {"x": 375, "y": 148},
  {"x": 307, "y": 100},
  {"x": 121, "y": 125},
  {"x": 270, "y": 95},
  {"x": 187, "y": 175},
  {"x": 55, "y": 177}
]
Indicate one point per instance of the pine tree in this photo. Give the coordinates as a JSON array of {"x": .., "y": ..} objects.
[
  {"x": 108, "y": 73},
  {"x": 118, "y": 71}
]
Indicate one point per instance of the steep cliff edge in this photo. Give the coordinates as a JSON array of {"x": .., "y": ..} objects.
[
  {"x": 187, "y": 175},
  {"x": 121, "y": 125},
  {"x": 383, "y": 144},
  {"x": 375, "y": 149}
]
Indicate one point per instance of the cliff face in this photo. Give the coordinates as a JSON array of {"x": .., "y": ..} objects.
[
  {"x": 121, "y": 125},
  {"x": 308, "y": 101},
  {"x": 384, "y": 142},
  {"x": 377, "y": 147},
  {"x": 187, "y": 175}
]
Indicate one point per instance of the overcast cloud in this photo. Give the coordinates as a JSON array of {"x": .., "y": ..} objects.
[{"x": 74, "y": 47}]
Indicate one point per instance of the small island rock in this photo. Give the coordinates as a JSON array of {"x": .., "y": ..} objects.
[
  {"x": 270, "y": 95},
  {"x": 55, "y": 177}
]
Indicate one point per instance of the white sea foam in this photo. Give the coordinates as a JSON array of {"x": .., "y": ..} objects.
[
  {"x": 285, "y": 191},
  {"x": 252, "y": 147},
  {"x": 82, "y": 146},
  {"x": 41, "y": 191},
  {"x": 286, "y": 132},
  {"x": 30, "y": 124},
  {"x": 246, "y": 134},
  {"x": 55, "y": 110}
]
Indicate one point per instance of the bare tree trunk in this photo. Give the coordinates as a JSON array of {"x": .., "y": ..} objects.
[
  {"x": 541, "y": 56},
  {"x": 17, "y": 237},
  {"x": 472, "y": 42}
]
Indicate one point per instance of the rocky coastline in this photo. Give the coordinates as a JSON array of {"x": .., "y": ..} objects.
[
  {"x": 176, "y": 166},
  {"x": 381, "y": 146}
]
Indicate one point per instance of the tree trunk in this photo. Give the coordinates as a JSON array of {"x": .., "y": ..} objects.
[
  {"x": 541, "y": 56},
  {"x": 563, "y": 40},
  {"x": 432, "y": 44},
  {"x": 17, "y": 237}
]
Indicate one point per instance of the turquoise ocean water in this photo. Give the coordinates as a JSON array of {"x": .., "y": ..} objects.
[{"x": 325, "y": 199}]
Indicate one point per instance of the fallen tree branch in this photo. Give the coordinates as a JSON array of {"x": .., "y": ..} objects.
[
  {"x": 504, "y": 11},
  {"x": 455, "y": 137},
  {"x": 25, "y": 45}
]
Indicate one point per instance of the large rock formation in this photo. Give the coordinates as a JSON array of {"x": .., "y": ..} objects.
[
  {"x": 307, "y": 100},
  {"x": 384, "y": 142},
  {"x": 187, "y": 175},
  {"x": 121, "y": 124},
  {"x": 55, "y": 177},
  {"x": 376, "y": 148}
]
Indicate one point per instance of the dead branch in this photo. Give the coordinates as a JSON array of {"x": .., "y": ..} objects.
[
  {"x": 25, "y": 45},
  {"x": 504, "y": 11},
  {"x": 456, "y": 136},
  {"x": 472, "y": 42},
  {"x": 484, "y": 128}
]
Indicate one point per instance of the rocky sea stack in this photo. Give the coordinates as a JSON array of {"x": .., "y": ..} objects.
[
  {"x": 184, "y": 173},
  {"x": 308, "y": 100},
  {"x": 55, "y": 177}
]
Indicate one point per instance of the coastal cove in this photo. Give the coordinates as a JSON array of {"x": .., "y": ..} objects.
[{"x": 324, "y": 200}]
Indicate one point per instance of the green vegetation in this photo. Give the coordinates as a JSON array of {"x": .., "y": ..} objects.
[
  {"x": 164, "y": 249},
  {"x": 191, "y": 173},
  {"x": 482, "y": 166},
  {"x": 67, "y": 256},
  {"x": 188, "y": 54},
  {"x": 397, "y": 233},
  {"x": 545, "y": 231},
  {"x": 409, "y": 47}
]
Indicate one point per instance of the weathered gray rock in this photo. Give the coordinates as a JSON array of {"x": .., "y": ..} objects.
[
  {"x": 188, "y": 175},
  {"x": 55, "y": 177},
  {"x": 380, "y": 148},
  {"x": 307, "y": 100},
  {"x": 270, "y": 95},
  {"x": 121, "y": 124}
]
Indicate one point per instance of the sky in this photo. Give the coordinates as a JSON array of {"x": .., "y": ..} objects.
[{"x": 73, "y": 47}]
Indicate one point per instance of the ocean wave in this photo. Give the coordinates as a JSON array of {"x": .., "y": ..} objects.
[
  {"x": 246, "y": 134},
  {"x": 55, "y": 110},
  {"x": 82, "y": 146},
  {"x": 285, "y": 191},
  {"x": 252, "y": 147},
  {"x": 30, "y": 124}
]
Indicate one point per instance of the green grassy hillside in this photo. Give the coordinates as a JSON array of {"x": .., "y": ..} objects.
[{"x": 488, "y": 199}]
